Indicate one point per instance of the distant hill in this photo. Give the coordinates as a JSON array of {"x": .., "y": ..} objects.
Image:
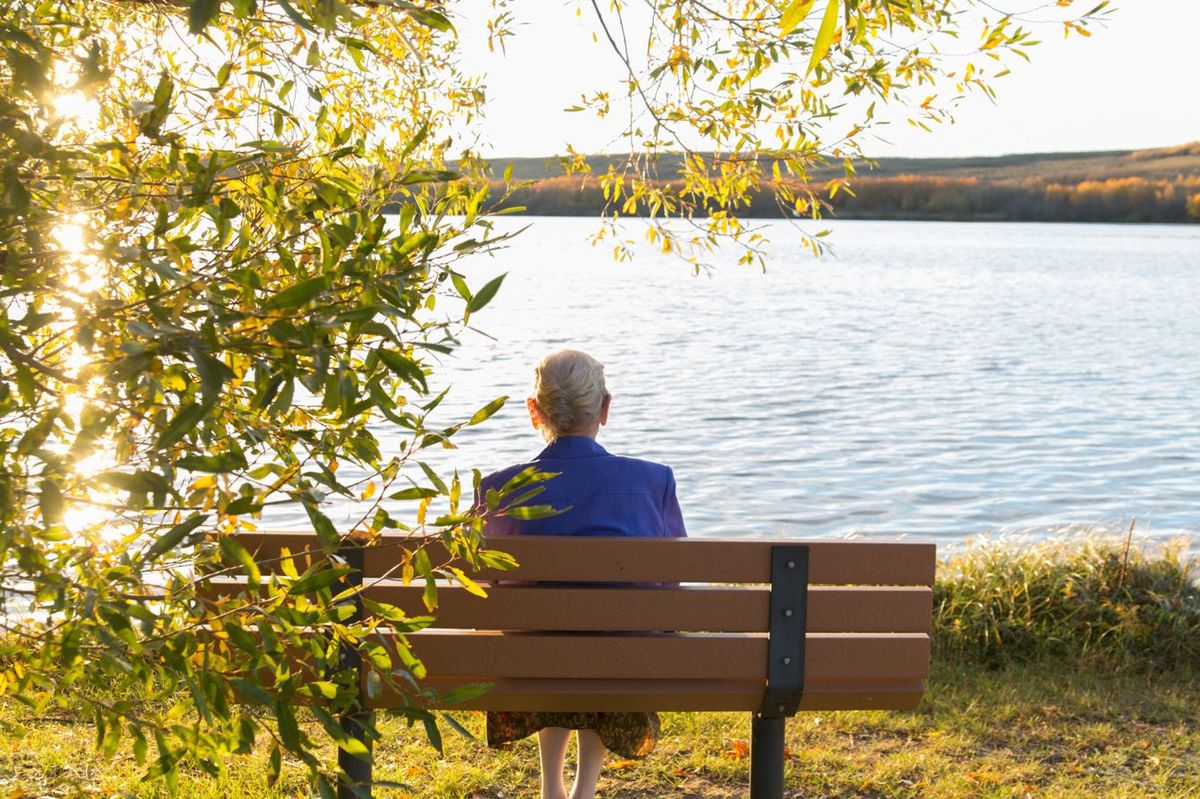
[
  {"x": 1159, "y": 164},
  {"x": 1159, "y": 185}
]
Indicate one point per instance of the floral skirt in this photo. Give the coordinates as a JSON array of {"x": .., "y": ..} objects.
[{"x": 627, "y": 734}]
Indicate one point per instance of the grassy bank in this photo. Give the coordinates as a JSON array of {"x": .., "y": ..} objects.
[{"x": 1058, "y": 672}]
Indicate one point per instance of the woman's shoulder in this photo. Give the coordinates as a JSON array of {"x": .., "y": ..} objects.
[{"x": 651, "y": 471}]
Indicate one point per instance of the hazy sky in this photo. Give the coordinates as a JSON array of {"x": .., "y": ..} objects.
[{"x": 1135, "y": 83}]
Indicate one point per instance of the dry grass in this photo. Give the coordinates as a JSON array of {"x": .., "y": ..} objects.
[{"x": 1097, "y": 597}]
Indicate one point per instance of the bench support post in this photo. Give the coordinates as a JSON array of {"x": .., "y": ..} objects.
[
  {"x": 766, "y": 757},
  {"x": 354, "y": 772},
  {"x": 785, "y": 669}
]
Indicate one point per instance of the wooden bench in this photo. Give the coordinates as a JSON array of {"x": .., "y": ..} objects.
[{"x": 765, "y": 627}]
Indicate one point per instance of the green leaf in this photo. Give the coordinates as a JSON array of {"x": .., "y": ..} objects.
[
  {"x": 416, "y": 492},
  {"x": 139, "y": 482},
  {"x": 404, "y": 367},
  {"x": 433, "y": 733},
  {"x": 415, "y": 141},
  {"x": 215, "y": 464},
  {"x": 460, "y": 286},
  {"x": 289, "y": 730},
  {"x": 234, "y": 551},
  {"x": 434, "y": 478},
  {"x": 213, "y": 374},
  {"x": 242, "y": 639},
  {"x": 793, "y": 15},
  {"x": 535, "y": 511},
  {"x": 325, "y": 789},
  {"x": 428, "y": 176},
  {"x": 464, "y": 693},
  {"x": 429, "y": 18},
  {"x": 298, "y": 294},
  {"x": 170, "y": 539},
  {"x": 50, "y": 501},
  {"x": 244, "y": 8},
  {"x": 188, "y": 417},
  {"x": 201, "y": 13},
  {"x": 313, "y": 581},
  {"x": 152, "y": 120},
  {"x": 824, "y": 35},
  {"x": 323, "y": 527},
  {"x": 165, "y": 269},
  {"x": 339, "y": 735},
  {"x": 458, "y": 728},
  {"x": 322, "y": 689},
  {"x": 26, "y": 384},
  {"x": 485, "y": 294},
  {"x": 528, "y": 475},
  {"x": 274, "y": 766},
  {"x": 295, "y": 15},
  {"x": 487, "y": 410},
  {"x": 248, "y": 503}
]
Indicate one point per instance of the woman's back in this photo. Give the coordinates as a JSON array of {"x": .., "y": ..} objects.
[{"x": 596, "y": 494}]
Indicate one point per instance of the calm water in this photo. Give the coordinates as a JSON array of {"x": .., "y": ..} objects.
[{"x": 939, "y": 380}]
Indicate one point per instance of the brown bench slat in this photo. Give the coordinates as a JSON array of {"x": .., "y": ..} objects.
[
  {"x": 585, "y": 559},
  {"x": 668, "y": 695},
  {"x": 699, "y": 609},
  {"x": 484, "y": 656}
]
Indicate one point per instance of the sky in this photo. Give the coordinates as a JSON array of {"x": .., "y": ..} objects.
[{"x": 1134, "y": 84}]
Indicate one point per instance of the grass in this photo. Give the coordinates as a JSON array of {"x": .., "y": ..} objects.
[
  {"x": 1044, "y": 729},
  {"x": 1059, "y": 672},
  {"x": 1095, "y": 598}
]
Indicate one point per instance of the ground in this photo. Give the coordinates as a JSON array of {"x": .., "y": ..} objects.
[{"x": 1052, "y": 729}]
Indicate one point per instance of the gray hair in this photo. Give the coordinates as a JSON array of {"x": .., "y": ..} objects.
[{"x": 569, "y": 390}]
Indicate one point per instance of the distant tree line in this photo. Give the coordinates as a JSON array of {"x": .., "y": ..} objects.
[{"x": 1127, "y": 199}]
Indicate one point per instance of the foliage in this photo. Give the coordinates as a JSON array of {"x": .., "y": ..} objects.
[
  {"x": 1102, "y": 599},
  {"x": 1193, "y": 207},
  {"x": 206, "y": 311},
  {"x": 757, "y": 94}
]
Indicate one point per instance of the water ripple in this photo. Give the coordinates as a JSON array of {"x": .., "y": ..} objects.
[{"x": 935, "y": 379}]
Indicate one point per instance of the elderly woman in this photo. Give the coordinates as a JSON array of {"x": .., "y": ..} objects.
[{"x": 599, "y": 494}]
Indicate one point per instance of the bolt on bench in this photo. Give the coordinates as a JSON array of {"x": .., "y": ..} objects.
[{"x": 767, "y": 627}]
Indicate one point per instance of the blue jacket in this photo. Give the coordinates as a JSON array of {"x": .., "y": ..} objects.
[{"x": 599, "y": 494}]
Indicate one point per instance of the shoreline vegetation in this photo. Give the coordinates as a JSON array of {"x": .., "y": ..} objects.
[
  {"x": 1134, "y": 186},
  {"x": 1059, "y": 670}
]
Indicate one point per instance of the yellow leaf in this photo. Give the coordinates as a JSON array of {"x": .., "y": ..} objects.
[
  {"x": 824, "y": 35},
  {"x": 622, "y": 764},
  {"x": 469, "y": 584},
  {"x": 208, "y": 481},
  {"x": 793, "y": 15}
]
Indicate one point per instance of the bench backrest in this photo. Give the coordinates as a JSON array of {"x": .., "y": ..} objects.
[{"x": 614, "y": 638}]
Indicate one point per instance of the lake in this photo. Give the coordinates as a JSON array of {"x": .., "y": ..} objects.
[{"x": 934, "y": 380}]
